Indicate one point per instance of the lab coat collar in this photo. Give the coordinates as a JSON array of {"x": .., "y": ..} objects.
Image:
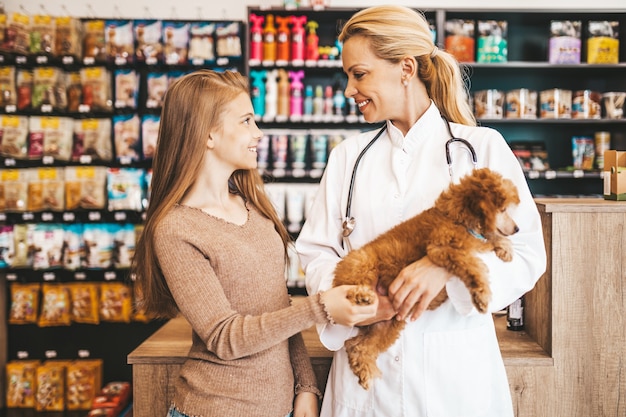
[{"x": 425, "y": 128}]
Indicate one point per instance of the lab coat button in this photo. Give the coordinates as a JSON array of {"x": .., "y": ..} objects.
[{"x": 397, "y": 359}]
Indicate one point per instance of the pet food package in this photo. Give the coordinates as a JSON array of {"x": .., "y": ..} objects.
[
  {"x": 521, "y": 104},
  {"x": 492, "y": 41},
  {"x": 50, "y": 386},
  {"x": 46, "y": 240},
  {"x": 149, "y": 134},
  {"x": 14, "y": 136},
  {"x": 46, "y": 189},
  {"x": 69, "y": 32},
  {"x": 148, "y": 47},
  {"x": 115, "y": 302},
  {"x": 85, "y": 298},
  {"x": 228, "y": 40},
  {"x": 85, "y": 187},
  {"x": 15, "y": 190},
  {"x": 21, "y": 256},
  {"x": 92, "y": 140},
  {"x": 8, "y": 90},
  {"x": 614, "y": 104},
  {"x": 156, "y": 85},
  {"x": 126, "y": 88},
  {"x": 17, "y": 38},
  {"x": 55, "y": 305},
  {"x": 125, "y": 188},
  {"x": 97, "y": 91},
  {"x": 50, "y": 137},
  {"x": 119, "y": 41},
  {"x": 126, "y": 128},
  {"x": 564, "y": 45},
  {"x": 24, "y": 84},
  {"x": 42, "y": 34},
  {"x": 603, "y": 42},
  {"x": 83, "y": 382},
  {"x": 459, "y": 39},
  {"x": 489, "y": 104},
  {"x": 555, "y": 103},
  {"x": 201, "y": 43},
  {"x": 98, "y": 244},
  {"x": 583, "y": 152},
  {"x": 7, "y": 246},
  {"x": 21, "y": 382},
  {"x": 586, "y": 104},
  {"x": 49, "y": 89},
  {"x": 24, "y": 303},
  {"x": 175, "y": 42},
  {"x": 94, "y": 41},
  {"x": 73, "y": 247}
]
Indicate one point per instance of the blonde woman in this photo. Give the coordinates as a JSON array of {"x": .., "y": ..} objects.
[
  {"x": 213, "y": 249},
  {"x": 447, "y": 362}
]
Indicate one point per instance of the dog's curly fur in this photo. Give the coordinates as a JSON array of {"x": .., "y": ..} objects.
[{"x": 467, "y": 218}]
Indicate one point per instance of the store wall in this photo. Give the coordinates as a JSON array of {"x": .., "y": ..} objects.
[{"x": 237, "y": 9}]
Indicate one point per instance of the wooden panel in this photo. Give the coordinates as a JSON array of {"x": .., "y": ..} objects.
[
  {"x": 153, "y": 389},
  {"x": 3, "y": 336}
]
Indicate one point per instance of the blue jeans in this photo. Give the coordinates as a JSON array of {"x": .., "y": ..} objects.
[{"x": 175, "y": 413}]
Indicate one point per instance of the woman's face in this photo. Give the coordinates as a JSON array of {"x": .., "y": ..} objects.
[
  {"x": 235, "y": 143},
  {"x": 374, "y": 83}
]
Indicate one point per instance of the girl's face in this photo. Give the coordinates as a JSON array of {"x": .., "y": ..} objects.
[
  {"x": 374, "y": 83},
  {"x": 235, "y": 143}
]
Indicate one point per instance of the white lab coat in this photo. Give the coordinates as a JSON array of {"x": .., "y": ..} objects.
[{"x": 447, "y": 363}]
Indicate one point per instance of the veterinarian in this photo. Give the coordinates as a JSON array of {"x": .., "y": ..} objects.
[
  {"x": 214, "y": 250},
  {"x": 447, "y": 362}
]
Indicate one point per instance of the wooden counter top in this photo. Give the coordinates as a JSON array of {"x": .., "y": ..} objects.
[
  {"x": 170, "y": 345},
  {"x": 580, "y": 205}
]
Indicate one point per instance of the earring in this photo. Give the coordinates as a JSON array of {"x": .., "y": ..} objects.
[{"x": 405, "y": 83}]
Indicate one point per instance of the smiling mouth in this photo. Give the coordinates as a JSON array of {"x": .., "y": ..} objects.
[
  {"x": 360, "y": 104},
  {"x": 252, "y": 149}
]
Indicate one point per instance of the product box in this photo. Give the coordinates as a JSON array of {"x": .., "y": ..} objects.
[
  {"x": 614, "y": 175},
  {"x": 564, "y": 46},
  {"x": 459, "y": 39},
  {"x": 603, "y": 42},
  {"x": 492, "y": 41}
]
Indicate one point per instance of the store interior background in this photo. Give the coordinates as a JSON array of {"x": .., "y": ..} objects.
[{"x": 236, "y": 10}]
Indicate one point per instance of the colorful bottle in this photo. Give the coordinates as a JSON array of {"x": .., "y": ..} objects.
[
  {"x": 269, "y": 39},
  {"x": 308, "y": 101},
  {"x": 318, "y": 101},
  {"x": 257, "y": 94},
  {"x": 328, "y": 101},
  {"x": 339, "y": 103},
  {"x": 312, "y": 41},
  {"x": 271, "y": 95},
  {"x": 282, "y": 38},
  {"x": 295, "y": 104},
  {"x": 297, "y": 39},
  {"x": 283, "y": 94},
  {"x": 256, "y": 37}
]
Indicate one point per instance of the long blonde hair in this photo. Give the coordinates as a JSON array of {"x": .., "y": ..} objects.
[
  {"x": 395, "y": 32},
  {"x": 192, "y": 107}
]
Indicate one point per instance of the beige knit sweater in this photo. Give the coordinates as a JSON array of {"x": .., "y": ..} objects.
[{"x": 248, "y": 357}]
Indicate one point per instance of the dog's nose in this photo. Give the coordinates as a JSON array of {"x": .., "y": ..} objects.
[{"x": 516, "y": 229}]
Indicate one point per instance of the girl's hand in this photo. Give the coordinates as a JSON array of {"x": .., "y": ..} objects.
[
  {"x": 385, "y": 309},
  {"x": 306, "y": 405},
  {"x": 342, "y": 310},
  {"x": 416, "y": 286}
]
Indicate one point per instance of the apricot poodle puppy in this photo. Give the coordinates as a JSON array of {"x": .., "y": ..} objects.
[{"x": 469, "y": 217}]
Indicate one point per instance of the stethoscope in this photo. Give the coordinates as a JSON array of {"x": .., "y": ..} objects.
[{"x": 349, "y": 222}]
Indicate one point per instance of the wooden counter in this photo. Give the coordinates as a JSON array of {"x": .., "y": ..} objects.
[{"x": 570, "y": 361}]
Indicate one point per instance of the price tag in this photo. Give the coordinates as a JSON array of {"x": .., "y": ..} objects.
[
  {"x": 11, "y": 277},
  {"x": 47, "y": 217},
  {"x": 9, "y": 162},
  {"x": 47, "y": 160},
  {"x": 11, "y": 108},
  {"x": 27, "y": 217},
  {"x": 120, "y": 216},
  {"x": 68, "y": 216},
  {"x": 68, "y": 60},
  {"x": 50, "y": 354},
  {"x": 46, "y": 108},
  {"x": 89, "y": 60},
  {"x": 42, "y": 59},
  {"x": 110, "y": 275},
  {"x": 120, "y": 60},
  {"x": 83, "y": 353},
  {"x": 579, "y": 173},
  {"x": 20, "y": 59},
  {"x": 94, "y": 216},
  {"x": 49, "y": 276},
  {"x": 84, "y": 108},
  {"x": 550, "y": 175},
  {"x": 222, "y": 61},
  {"x": 22, "y": 354},
  {"x": 80, "y": 276},
  {"x": 85, "y": 159}
]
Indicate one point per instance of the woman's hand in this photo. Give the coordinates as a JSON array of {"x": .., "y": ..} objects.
[
  {"x": 416, "y": 286},
  {"x": 341, "y": 309},
  {"x": 305, "y": 405}
]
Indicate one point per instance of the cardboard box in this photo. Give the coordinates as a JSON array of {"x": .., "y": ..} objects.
[{"x": 614, "y": 175}]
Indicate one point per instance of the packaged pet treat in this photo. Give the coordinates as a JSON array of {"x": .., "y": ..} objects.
[
  {"x": 539, "y": 156},
  {"x": 123, "y": 245},
  {"x": 84, "y": 379},
  {"x": 47, "y": 246},
  {"x": 583, "y": 152},
  {"x": 489, "y": 104},
  {"x": 24, "y": 88},
  {"x": 93, "y": 41},
  {"x": 96, "y": 84},
  {"x": 149, "y": 134},
  {"x": 201, "y": 44},
  {"x": 55, "y": 305},
  {"x": 586, "y": 105},
  {"x": 52, "y": 136},
  {"x": 126, "y": 137},
  {"x": 7, "y": 248},
  {"x": 24, "y": 303},
  {"x": 148, "y": 48},
  {"x": 614, "y": 104},
  {"x": 17, "y": 37},
  {"x": 98, "y": 239},
  {"x": 228, "y": 40},
  {"x": 125, "y": 188},
  {"x": 85, "y": 298},
  {"x": 564, "y": 45},
  {"x": 42, "y": 34},
  {"x": 68, "y": 37},
  {"x": 126, "y": 88},
  {"x": 46, "y": 189},
  {"x": 175, "y": 42},
  {"x": 157, "y": 84},
  {"x": 15, "y": 184},
  {"x": 119, "y": 41},
  {"x": 21, "y": 233},
  {"x": 115, "y": 302},
  {"x": 85, "y": 187},
  {"x": 73, "y": 246},
  {"x": 14, "y": 136},
  {"x": 50, "y": 391},
  {"x": 8, "y": 90},
  {"x": 74, "y": 91},
  {"x": 521, "y": 104},
  {"x": 492, "y": 41},
  {"x": 459, "y": 39},
  {"x": 21, "y": 383},
  {"x": 49, "y": 89},
  {"x": 556, "y": 103},
  {"x": 603, "y": 42},
  {"x": 92, "y": 140}
]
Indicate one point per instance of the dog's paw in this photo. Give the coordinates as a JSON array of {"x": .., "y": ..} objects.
[
  {"x": 504, "y": 250},
  {"x": 362, "y": 295},
  {"x": 481, "y": 298},
  {"x": 362, "y": 362}
]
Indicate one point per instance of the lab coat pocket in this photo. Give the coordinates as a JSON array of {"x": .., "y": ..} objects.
[
  {"x": 345, "y": 385},
  {"x": 458, "y": 372}
]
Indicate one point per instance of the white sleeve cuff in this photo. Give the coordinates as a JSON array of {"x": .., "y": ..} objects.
[{"x": 333, "y": 336}]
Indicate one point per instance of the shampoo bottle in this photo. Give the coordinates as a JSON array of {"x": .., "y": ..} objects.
[
  {"x": 257, "y": 94},
  {"x": 283, "y": 95},
  {"x": 256, "y": 39},
  {"x": 312, "y": 41},
  {"x": 271, "y": 95},
  {"x": 282, "y": 39},
  {"x": 269, "y": 40},
  {"x": 295, "y": 105},
  {"x": 297, "y": 40}
]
